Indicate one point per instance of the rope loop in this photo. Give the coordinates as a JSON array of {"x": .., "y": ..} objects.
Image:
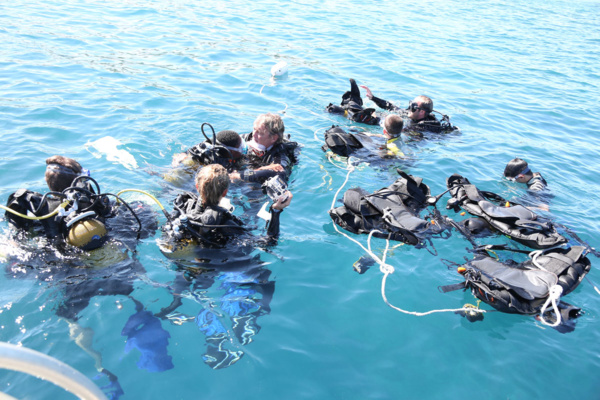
[{"x": 553, "y": 295}]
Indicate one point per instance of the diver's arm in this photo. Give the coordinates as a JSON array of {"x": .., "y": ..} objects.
[
  {"x": 386, "y": 105},
  {"x": 257, "y": 175},
  {"x": 273, "y": 226},
  {"x": 276, "y": 209}
]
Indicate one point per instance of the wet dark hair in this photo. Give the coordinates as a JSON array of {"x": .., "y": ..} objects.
[
  {"x": 229, "y": 138},
  {"x": 393, "y": 124},
  {"x": 60, "y": 172},
  {"x": 515, "y": 167}
]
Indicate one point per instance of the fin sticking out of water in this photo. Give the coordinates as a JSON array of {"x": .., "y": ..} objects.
[{"x": 108, "y": 146}]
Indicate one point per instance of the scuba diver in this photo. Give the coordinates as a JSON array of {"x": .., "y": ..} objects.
[
  {"x": 270, "y": 152},
  {"x": 538, "y": 195},
  {"x": 226, "y": 148},
  {"x": 209, "y": 244},
  {"x": 205, "y": 222},
  {"x": 418, "y": 116},
  {"x": 517, "y": 170},
  {"x": 74, "y": 212},
  {"x": 93, "y": 237}
]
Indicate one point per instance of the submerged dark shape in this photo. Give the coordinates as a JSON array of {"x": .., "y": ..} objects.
[
  {"x": 363, "y": 264},
  {"x": 145, "y": 333},
  {"x": 229, "y": 320}
]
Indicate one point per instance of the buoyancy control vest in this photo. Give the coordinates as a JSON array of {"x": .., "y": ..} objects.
[
  {"x": 206, "y": 153},
  {"x": 392, "y": 211},
  {"x": 81, "y": 224},
  {"x": 431, "y": 124},
  {"x": 340, "y": 142},
  {"x": 523, "y": 288},
  {"x": 208, "y": 226},
  {"x": 513, "y": 220},
  {"x": 276, "y": 155}
]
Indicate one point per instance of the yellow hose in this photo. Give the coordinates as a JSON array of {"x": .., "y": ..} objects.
[
  {"x": 52, "y": 214},
  {"x": 143, "y": 192}
]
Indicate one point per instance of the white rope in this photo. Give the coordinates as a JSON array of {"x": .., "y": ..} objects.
[
  {"x": 387, "y": 269},
  {"x": 554, "y": 294},
  {"x": 536, "y": 253},
  {"x": 421, "y": 314}
]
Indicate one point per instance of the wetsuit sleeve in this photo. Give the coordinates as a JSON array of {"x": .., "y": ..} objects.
[
  {"x": 537, "y": 186},
  {"x": 273, "y": 225},
  {"x": 286, "y": 163},
  {"x": 259, "y": 175},
  {"x": 386, "y": 105}
]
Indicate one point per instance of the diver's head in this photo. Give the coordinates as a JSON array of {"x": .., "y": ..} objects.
[
  {"x": 392, "y": 126},
  {"x": 517, "y": 170},
  {"x": 268, "y": 129},
  {"x": 420, "y": 108},
  {"x": 87, "y": 234},
  {"x": 60, "y": 172},
  {"x": 233, "y": 142},
  {"x": 212, "y": 183}
]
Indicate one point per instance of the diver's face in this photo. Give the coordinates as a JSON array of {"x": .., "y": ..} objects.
[
  {"x": 262, "y": 136},
  {"x": 416, "y": 112}
]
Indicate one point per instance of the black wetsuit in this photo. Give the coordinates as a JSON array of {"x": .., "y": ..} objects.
[
  {"x": 537, "y": 183},
  {"x": 213, "y": 226},
  {"x": 283, "y": 153},
  {"x": 352, "y": 107},
  {"x": 429, "y": 124}
]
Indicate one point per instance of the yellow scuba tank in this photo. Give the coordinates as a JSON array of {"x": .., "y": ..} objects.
[
  {"x": 87, "y": 234},
  {"x": 182, "y": 249}
]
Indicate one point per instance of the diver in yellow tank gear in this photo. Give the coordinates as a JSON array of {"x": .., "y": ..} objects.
[
  {"x": 73, "y": 211},
  {"x": 392, "y": 129}
]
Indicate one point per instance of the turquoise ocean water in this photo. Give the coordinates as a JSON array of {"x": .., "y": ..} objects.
[{"x": 519, "y": 79}]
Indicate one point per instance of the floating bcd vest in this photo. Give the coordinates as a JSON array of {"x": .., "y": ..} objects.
[
  {"x": 340, "y": 142},
  {"x": 394, "y": 211},
  {"x": 523, "y": 288},
  {"x": 513, "y": 220}
]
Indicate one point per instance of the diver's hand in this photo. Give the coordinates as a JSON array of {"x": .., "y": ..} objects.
[
  {"x": 273, "y": 167},
  {"x": 369, "y": 93},
  {"x": 234, "y": 176},
  {"x": 279, "y": 204}
]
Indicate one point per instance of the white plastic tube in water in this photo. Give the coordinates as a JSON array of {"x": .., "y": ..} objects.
[
  {"x": 279, "y": 69},
  {"x": 45, "y": 367}
]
